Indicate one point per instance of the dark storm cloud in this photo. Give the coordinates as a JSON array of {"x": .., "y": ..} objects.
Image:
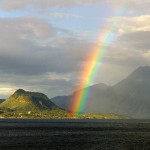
[
  {"x": 41, "y": 80},
  {"x": 36, "y": 57},
  {"x": 39, "y": 83},
  {"x": 31, "y": 46}
]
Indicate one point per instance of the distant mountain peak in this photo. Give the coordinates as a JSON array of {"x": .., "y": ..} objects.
[
  {"x": 143, "y": 69},
  {"x": 141, "y": 72},
  {"x": 129, "y": 97}
]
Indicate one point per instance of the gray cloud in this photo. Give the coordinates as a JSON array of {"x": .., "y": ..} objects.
[
  {"x": 130, "y": 5},
  {"x": 31, "y": 46},
  {"x": 47, "y": 84},
  {"x": 132, "y": 45},
  {"x": 17, "y": 4},
  {"x": 64, "y": 15},
  {"x": 136, "y": 40},
  {"x": 123, "y": 25},
  {"x": 37, "y": 56}
]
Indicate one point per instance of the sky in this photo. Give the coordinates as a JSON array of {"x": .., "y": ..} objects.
[{"x": 44, "y": 43}]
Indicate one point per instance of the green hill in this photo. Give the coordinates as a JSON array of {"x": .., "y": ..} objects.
[{"x": 28, "y": 101}]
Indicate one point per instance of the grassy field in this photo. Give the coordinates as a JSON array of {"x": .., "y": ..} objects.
[{"x": 57, "y": 113}]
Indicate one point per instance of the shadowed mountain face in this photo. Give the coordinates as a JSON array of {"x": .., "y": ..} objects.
[
  {"x": 62, "y": 101},
  {"x": 65, "y": 101},
  {"x": 23, "y": 100},
  {"x": 1, "y": 100},
  {"x": 130, "y": 97}
]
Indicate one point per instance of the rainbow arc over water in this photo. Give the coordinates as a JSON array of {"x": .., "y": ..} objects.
[{"x": 90, "y": 69}]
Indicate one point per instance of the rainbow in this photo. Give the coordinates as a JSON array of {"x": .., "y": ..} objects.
[{"x": 89, "y": 70}]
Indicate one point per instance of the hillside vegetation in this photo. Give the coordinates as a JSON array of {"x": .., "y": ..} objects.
[
  {"x": 24, "y": 104},
  {"x": 28, "y": 101},
  {"x": 54, "y": 114}
]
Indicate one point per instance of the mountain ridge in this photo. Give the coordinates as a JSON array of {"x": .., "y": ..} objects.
[{"x": 129, "y": 97}]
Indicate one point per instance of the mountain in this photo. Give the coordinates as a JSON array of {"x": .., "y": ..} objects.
[
  {"x": 24, "y": 100},
  {"x": 65, "y": 101},
  {"x": 130, "y": 97},
  {"x": 61, "y": 101}
]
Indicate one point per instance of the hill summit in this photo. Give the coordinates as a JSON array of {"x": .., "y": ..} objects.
[{"x": 25, "y": 100}]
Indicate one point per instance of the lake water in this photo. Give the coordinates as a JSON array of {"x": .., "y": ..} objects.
[{"x": 69, "y": 134}]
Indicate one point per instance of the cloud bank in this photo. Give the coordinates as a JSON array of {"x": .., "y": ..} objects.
[{"x": 37, "y": 55}]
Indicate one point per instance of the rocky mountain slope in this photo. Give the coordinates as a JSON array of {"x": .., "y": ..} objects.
[{"x": 130, "y": 97}]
